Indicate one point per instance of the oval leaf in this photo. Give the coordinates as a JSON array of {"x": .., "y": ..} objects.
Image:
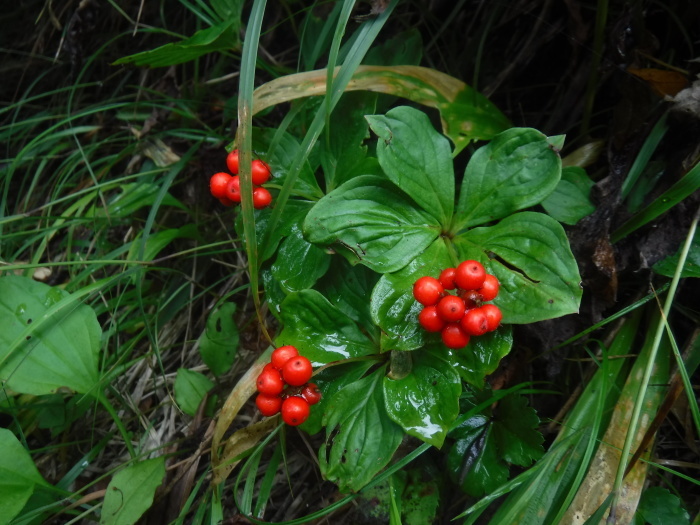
[
  {"x": 48, "y": 340},
  {"x": 482, "y": 355},
  {"x": 190, "y": 389},
  {"x": 299, "y": 263},
  {"x": 417, "y": 159},
  {"x": 131, "y": 491},
  {"x": 320, "y": 331},
  {"x": 530, "y": 255},
  {"x": 517, "y": 169},
  {"x": 426, "y": 401},
  {"x": 218, "y": 344},
  {"x": 370, "y": 220},
  {"x": 570, "y": 202}
]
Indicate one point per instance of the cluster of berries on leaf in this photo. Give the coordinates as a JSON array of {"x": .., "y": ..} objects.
[
  {"x": 465, "y": 314},
  {"x": 284, "y": 386},
  {"x": 227, "y": 188}
]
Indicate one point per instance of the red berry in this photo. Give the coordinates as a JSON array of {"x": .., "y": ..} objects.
[
  {"x": 269, "y": 366},
  {"x": 260, "y": 172},
  {"x": 297, "y": 371},
  {"x": 281, "y": 355},
  {"x": 311, "y": 393},
  {"x": 232, "y": 162},
  {"x": 470, "y": 275},
  {"x": 447, "y": 278},
  {"x": 493, "y": 316},
  {"x": 451, "y": 308},
  {"x": 295, "y": 410},
  {"x": 489, "y": 290},
  {"x": 268, "y": 405},
  {"x": 261, "y": 198},
  {"x": 475, "y": 322},
  {"x": 454, "y": 337},
  {"x": 472, "y": 298},
  {"x": 430, "y": 320},
  {"x": 217, "y": 184},
  {"x": 233, "y": 189},
  {"x": 427, "y": 291},
  {"x": 270, "y": 382},
  {"x": 226, "y": 202}
]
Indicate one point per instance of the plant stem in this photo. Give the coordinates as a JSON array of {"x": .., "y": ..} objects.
[{"x": 102, "y": 398}]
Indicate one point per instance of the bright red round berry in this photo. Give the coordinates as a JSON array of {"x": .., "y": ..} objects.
[
  {"x": 217, "y": 184},
  {"x": 233, "y": 189},
  {"x": 447, "y": 278},
  {"x": 470, "y": 275},
  {"x": 489, "y": 290},
  {"x": 226, "y": 202},
  {"x": 454, "y": 337},
  {"x": 261, "y": 198},
  {"x": 268, "y": 405},
  {"x": 260, "y": 172},
  {"x": 297, "y": 371},
  {"x": 471, "y": 298},
  {"x": 269, "y": 366},
  {"x": 270, "y": 382},
  {"x": 428, "y": 290},
  {"x": 493, "y": 316},
  {"x": 451, "y": 308},
  {"x": 232, "y": 162},
  {"x": 311, "y": 393},
  {"x": 430, "y": 320},
  {"x": 475, "y": 322},
  {"x": 281, "y": 355},
  {"x": 295, "y": 410}
]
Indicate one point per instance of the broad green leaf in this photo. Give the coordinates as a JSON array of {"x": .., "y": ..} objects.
[
  {"x": 517, "y": 169},
  {"x": 570, "y": 201},
  {"x": 426, "y": 401},
  {"x": 421, "y": 498},
  {"x": 130, "y": 199},
  {"x": 48, "y": 340},
  {"x": 668, "y": 265},
  {"x": 530, "y": 255},
  {"x": 370, "y": 220},
  {"x": 329, "y": 381},
  {"x": 349, "y": 289},
  {"x": 345, "y": 153},
  {"x": 516, "y": 433},
  {"x": 417, "y": 159},
  {"x": 482, "y": 355},
  {"x": 404, "y": 48},
  {"x": 190, "y": 389},
  {"x": 18, "y": 476},
  {"x": 299, "y": 263},
  {"x": 360, "y": 437},
  {"x": 130, "y": 492},
  {"x": 218, "y": 344},
  {"x": 473, "y": 460},
  {"x": 393, "y": 307},
  {"x": 659, "y": 507},
  {"x": 274, "y": 294},
  {"x": 221, "y": 37},
  {"x": 319, "y": 330}
]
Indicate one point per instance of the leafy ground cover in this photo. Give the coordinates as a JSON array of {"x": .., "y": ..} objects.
[{"x": 554, "y": 144}]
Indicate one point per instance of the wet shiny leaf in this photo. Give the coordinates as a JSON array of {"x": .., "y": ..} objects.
[
  {"x": 299, "y": 264},
  {"x": 482, "y": 355}
]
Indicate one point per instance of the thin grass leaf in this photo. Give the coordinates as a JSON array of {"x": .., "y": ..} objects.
[
  {"x": 640, "y": 162},
  {"x": 265, "y": 488}
]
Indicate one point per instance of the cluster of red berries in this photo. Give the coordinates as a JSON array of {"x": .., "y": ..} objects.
[
  {"x": 227, "y": 188},
  {"x": 284, "y": 387},
  {"x": 458, "y": 317}
]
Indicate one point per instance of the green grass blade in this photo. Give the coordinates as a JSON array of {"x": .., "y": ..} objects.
[{"x": 648, "y": 148}]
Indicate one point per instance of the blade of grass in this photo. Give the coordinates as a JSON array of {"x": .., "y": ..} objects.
[{"x": 645, "y": 153}]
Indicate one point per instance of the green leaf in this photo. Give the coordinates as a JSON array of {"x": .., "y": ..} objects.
[
  {"x": 417, "y": 159},
  {"x": 18, "y": 476},
  {"x": 130, "y": 199},
  {"x": 360, "y": 438},
  {"x": 299, "y": 264},
  {"x": 319, "y": 330},
  {"x": 48, "y": 340},
  {"x": 421, "y": 498},
  {"x": 392, "y": 305},
  {"x": 218, "y": 344},
  {"x": 482, "y": 356},
  {"x": 370, "y": 220},
  {"x": 515, "y": 432},
  {"x": 517, "y": 169},
  {"x": 530, "y": 255},
  {"x": 131, "y": 491},
  {"x": 426, "y": 401},
  {"x": 190, "y": 389},
  {"x": 156, "y": 242},
  {"x": 691, "y": 268},
  {"x": 349, "y": 289},
  {"x": 659, "y": 507},
  {"x": 404, "y": 48},
  {"x": 570, "y": 201},
  {"x": 329, "y": 381},
  {"x": 221, "y": 37}
]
